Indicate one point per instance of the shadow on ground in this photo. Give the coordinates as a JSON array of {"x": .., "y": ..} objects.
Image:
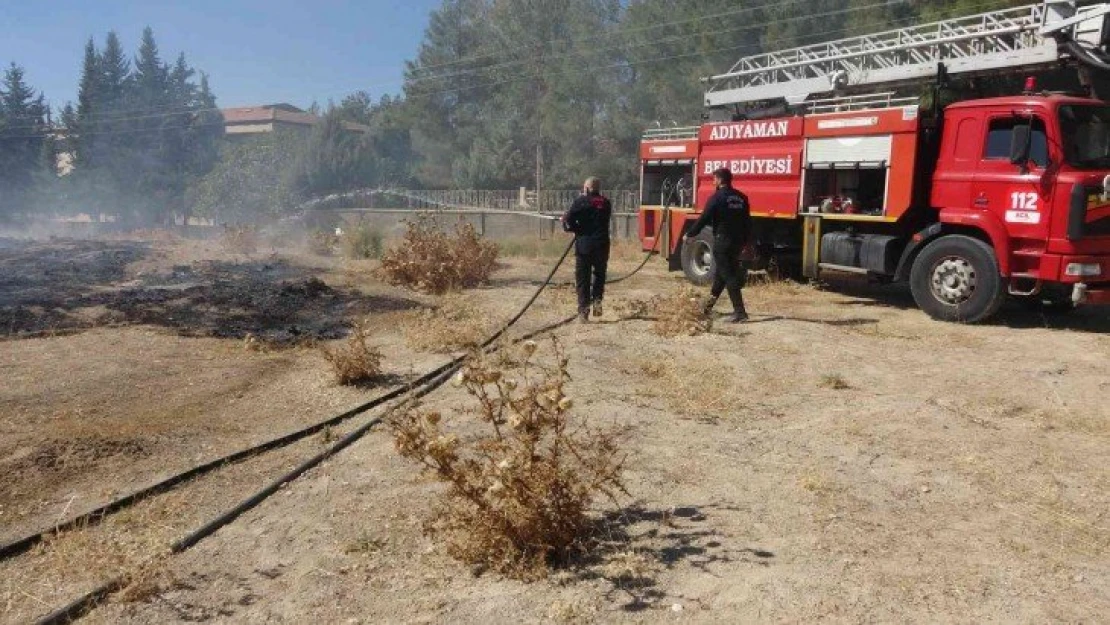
[
  {"x": 633, "y": 545},
  {"x": 1014, "y": 314},
  {"x": 66, "y": 286}
]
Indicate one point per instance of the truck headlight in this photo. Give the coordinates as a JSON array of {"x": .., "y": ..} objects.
[{"x": 1083, "y": 270}]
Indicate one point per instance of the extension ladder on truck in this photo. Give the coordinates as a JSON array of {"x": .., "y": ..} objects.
[{"x": 1023, "y": 38}]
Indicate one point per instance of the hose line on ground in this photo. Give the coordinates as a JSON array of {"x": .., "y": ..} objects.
[
  {"x": 95, "y": 516},
  {"x": 82, "y": 605},
  {"x": 429, "y": 382}
]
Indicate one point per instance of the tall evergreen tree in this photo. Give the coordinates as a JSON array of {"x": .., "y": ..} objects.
[
  {"x": 24, "y": 133},
  {"x": 114, "y": 71}
]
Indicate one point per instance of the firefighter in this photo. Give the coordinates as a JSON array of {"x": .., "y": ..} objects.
[
  {"x": 729, "y": 214},
  {"x": 588, "y": 218}
]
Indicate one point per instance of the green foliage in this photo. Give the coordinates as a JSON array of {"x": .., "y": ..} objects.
[
  {"x": 26, "y": 151},
  {"x": 498, "y": 92},
  {"x": 363, "y": 241},
  {"x": 142, "y": 133},
  {"x": 252, "y": 179},
  {"x": 501, "y": 88}
]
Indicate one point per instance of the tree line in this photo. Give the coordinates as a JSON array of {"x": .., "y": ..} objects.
[{"x": 500, "y": 94}]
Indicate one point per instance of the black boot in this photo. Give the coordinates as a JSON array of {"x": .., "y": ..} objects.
[
  {"x": 707, "y": 309},
  {"x": 739, "y": 314}
]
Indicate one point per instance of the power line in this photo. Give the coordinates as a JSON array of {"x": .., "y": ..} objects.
[
  {"x": 510, "y": 80},
  {"x": 656, "y": 42},
  {"x": 121, "y": 116},
  {"x": 619, "y": 32}
]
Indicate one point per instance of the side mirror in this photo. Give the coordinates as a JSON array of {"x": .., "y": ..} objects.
[{"x": 1020, "y": 143}]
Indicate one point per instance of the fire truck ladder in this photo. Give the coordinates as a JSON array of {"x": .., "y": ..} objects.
[{"x": 1024, "y": 38}]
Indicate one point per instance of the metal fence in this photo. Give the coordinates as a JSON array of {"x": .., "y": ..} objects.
[{"x": 550, "y": 201}]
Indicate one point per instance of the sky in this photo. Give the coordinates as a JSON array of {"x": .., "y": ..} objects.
[{"x": 254, "y": 52}]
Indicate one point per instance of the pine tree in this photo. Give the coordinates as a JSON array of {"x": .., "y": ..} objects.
[
  {"x": 114, "y": 70},
  {"x": 23, "y": 133}
]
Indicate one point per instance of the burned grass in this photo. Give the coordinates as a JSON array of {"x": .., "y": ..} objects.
[{"x": 67, "y": 286}]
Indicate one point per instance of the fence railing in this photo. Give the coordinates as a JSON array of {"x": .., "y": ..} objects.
[{"x": 547, "y": 201}]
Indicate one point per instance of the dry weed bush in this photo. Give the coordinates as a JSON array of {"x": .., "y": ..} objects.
[
  {"x": 432, "y": 261},
  {"x": 633, "y": 308},
  {"x": 240, "y": 239},
  {"x": 356, "y": 361},
  {"x": 456, "y": 324},
  {"x": 519, "y": 485},
  {"x": 682, "y": 313}
]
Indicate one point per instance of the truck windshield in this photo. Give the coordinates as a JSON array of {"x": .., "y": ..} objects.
[{"x": 1085, "y": 132}]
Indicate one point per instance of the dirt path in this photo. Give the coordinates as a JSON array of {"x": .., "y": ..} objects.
[{"x": 841, "y": 458}]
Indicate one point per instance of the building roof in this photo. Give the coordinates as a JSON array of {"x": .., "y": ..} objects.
[
  {"x": 267, "y": 113},
  {"x": 279, "y": 113}
]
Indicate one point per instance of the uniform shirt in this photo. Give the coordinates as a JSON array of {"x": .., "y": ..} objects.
[
  {"x": 589, "y": 218},
  {"x": 729, "y": 214}
]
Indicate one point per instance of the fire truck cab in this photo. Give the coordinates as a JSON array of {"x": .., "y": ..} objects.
[{"x": 971, "y": 203}]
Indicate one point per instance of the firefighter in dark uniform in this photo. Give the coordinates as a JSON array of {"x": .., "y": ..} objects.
[
  {"x": 588, "y": 218},
  {"x": 729, "y": 214}
]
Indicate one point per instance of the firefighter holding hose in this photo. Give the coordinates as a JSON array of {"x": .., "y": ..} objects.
[
  {"x": 588, "y": 218},
  {"x": 729, "y": 214}
]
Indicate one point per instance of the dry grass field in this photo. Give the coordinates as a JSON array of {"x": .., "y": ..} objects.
[{"x": 841, "y": 457}]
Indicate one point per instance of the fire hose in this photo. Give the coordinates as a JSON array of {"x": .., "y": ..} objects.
[
  {"x": 93, "y": 517},
  {"x": 419, "y": 388}
]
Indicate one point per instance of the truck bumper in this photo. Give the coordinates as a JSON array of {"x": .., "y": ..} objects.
[{"x": 1090, "y": 294}]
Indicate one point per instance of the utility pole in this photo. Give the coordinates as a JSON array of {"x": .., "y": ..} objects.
[{"x": 539, "y": 172}]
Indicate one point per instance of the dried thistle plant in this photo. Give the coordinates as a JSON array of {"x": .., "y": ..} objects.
[
  {"x": 518, "y": 490},
  {"x": 356, "y": 361},
  {"x": 681, "y": 313},
  {"x": 431, "y": 261}
]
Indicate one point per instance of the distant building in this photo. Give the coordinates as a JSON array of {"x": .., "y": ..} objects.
[{"x": 255, "y": 120}]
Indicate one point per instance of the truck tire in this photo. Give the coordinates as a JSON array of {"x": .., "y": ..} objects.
[
  {"x": 956, "y": 278},
  {"x": 697, "y": 258}
]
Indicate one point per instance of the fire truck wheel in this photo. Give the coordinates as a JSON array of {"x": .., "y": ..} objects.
[
  {"x": 697, "y": 258},
  {"x": 956, "y": 278}
]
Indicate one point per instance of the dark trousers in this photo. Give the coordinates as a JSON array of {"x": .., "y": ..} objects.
[
  {"x": 590, "y": 263},
  {"x": 730, "y": 273}
]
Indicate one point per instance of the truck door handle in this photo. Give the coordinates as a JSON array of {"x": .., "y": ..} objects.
[{"x": 982, "y": 200}]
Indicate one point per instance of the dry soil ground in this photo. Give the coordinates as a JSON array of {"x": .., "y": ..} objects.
[{"x": 842, "y": 457}]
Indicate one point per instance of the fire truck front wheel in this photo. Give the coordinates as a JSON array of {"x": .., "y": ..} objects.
[
  {"x": 956, "y": 278},
  {"x": 697, "y": 258}
]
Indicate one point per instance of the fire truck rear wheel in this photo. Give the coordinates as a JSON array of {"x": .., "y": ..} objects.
[
  {"x": 956, "y": 278},
  {"x": 697, "y": 258}
]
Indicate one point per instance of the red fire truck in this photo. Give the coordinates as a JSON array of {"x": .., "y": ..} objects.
[{"x": 969, "y": 203}]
